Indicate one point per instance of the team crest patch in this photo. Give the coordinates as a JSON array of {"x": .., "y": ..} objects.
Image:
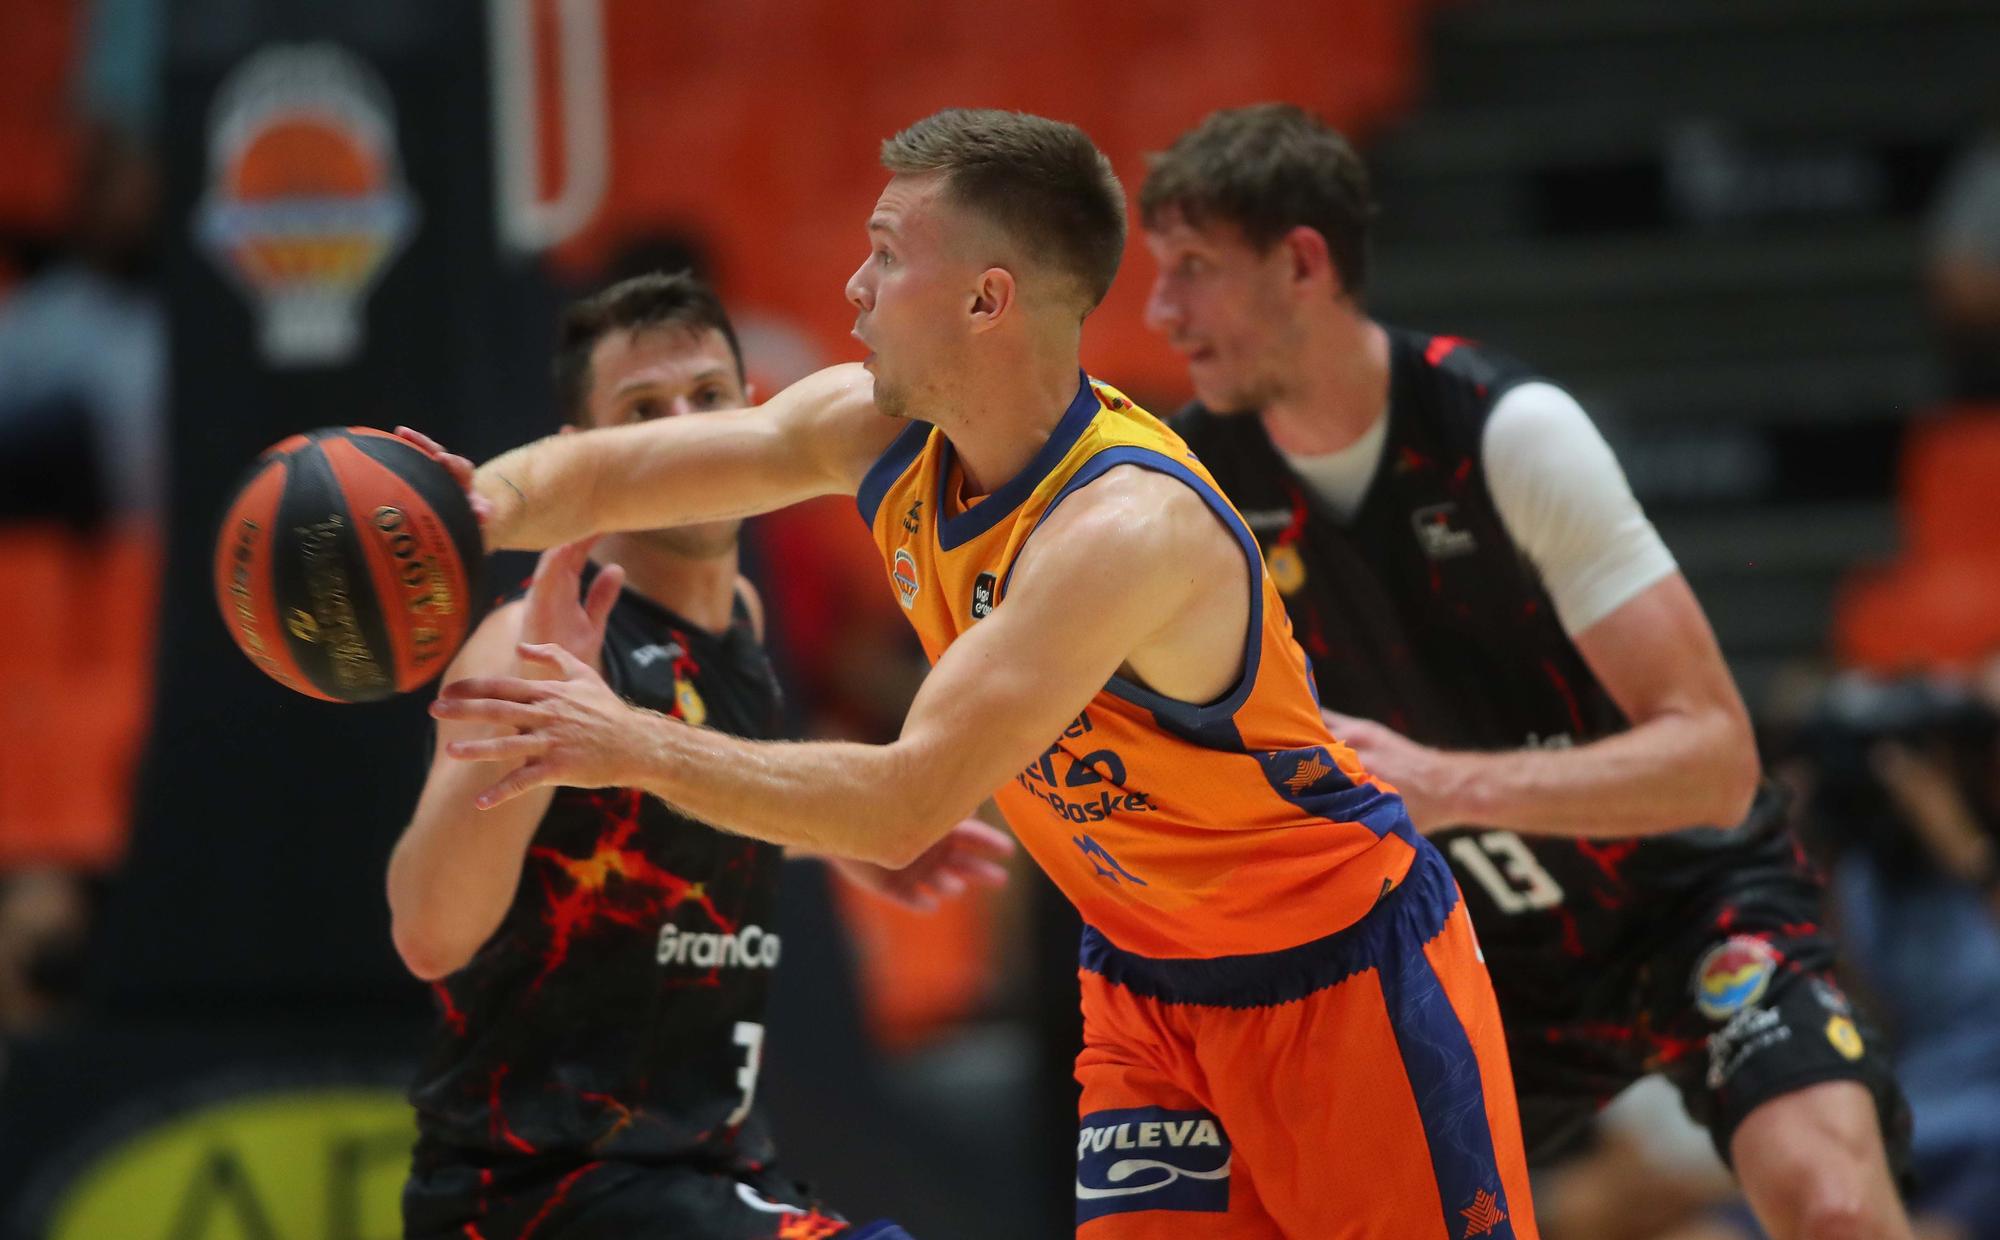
[
  {"x": 306, "y": 207},
  {"x": 904, "y": 574},
  {"x": 1732, "y": 975},
  {"x": 1150, "y": 1158},
  {"x": 687, "y": 701},
  {"x": 1288, "y": 568},
  {"x": 1846, "y": 1039}
]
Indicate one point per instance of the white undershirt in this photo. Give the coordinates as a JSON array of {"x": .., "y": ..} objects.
[{"x": 1558, "y": 490}]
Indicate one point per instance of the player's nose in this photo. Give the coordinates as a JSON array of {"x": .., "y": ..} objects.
[
  {"x": 858, "y": 291},
  {"x": 1163, "y": 313}
]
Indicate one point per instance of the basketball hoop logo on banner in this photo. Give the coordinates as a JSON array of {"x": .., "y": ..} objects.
[{"x": 306, "y": 205}]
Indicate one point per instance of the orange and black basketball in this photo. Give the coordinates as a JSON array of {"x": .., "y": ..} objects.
[{"x": 348, "y": 565}]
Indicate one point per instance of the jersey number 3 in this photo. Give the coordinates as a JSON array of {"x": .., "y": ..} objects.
[
  {"x": 1518, "y": 883},
  {"x": 749, "y": 1036}
]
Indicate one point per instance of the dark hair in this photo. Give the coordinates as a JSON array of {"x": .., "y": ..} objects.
[
  {"x": 656, "y": 299},
  {"x": 1043, "y": 182},
  {"x": 1268, "y": 169}
]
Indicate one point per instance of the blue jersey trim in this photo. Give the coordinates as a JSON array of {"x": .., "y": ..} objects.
[
  {"x": 1208, "y": 725},
  {"x": 960, "y": 528},
  {"x": 888, "y": 467},
  {"x": 1402, "y": 921},
  {"x": 1443, "y": 1071},
  {"x": 1313, "y": 781}
]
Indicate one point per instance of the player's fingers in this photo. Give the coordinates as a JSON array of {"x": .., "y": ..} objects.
[
  {"x": 603, "y": 595},
  {"x": 980, "y": 872},
  {"x": 977, "y": 836},
  {"x": 503, "y": 688},
  {"x": 532, "y": 775},
  {"x": 432, "y": 448},
  {"x": 488, "y": 710},
  {"x": 947, "y": 885},
  {"x": 499, "y": 748},
  {"x": 555, "y": 656}
]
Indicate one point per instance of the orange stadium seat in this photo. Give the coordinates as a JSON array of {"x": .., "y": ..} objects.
[
  {"x": 37, "y": 131},
  {"x": 80, "y": 615},
  {"x": 1951, "y": 470}
]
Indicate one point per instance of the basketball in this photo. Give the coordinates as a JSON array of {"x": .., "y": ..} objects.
[{"x": 348, "y": 565}]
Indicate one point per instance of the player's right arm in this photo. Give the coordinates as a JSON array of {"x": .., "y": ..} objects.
[
  {"x": 817, "y": 437},
  {"x": 454, "y": 872}
]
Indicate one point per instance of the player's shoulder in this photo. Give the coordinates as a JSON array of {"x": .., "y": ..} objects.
[
  {"x": 1446, "y": 360},
  {"x": 1132, "y": 512},
  {"x": 490, "y": 647}
]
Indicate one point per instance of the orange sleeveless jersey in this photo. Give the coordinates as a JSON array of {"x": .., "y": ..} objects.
[{"x": 1178, "y": 830}]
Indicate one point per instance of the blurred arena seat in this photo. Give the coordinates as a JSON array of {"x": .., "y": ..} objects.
[
  {"x": 38, "y": 130},
  {"x": 78, "y": 610}
]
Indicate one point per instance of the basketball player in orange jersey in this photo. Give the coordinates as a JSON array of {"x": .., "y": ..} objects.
[{"x": 1288, "y": 1031}]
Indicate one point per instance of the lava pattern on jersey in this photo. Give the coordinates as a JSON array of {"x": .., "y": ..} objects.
[
  {"x": 1239, "y": 826},
  {"x": 617, "y": 1013},
  {"x": 1420, "y": 612}
]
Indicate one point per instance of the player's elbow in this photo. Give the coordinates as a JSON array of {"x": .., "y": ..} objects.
[
  {"x": 1734, "y": 772},
  {"x": 428, "y": 953},
  {"x": 903, "y": 840}
]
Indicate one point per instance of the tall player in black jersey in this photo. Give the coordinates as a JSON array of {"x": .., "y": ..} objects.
[
  {"x": 601, "y": 963},
  {"x": 1497, "y": 629}
]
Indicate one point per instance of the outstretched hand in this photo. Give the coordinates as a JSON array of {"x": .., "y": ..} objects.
[
  {"x": 972, "y": 854},
  {"x": 1417, "y": 771},
  {"x": 571, "y": 730},
  {"x": 459, "y": 467},
  {"x": 553, "y": 613}
]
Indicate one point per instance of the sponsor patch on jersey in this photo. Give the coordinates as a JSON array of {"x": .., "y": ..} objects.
[
  {"x": 1150, "y": 1158},
  {"x": 904, "y": 574},
  {"x": 1439, "y": 538},
  {"x": 1748, "y": 1034},
  {"x": 1732, "y": 975},
  {"x": 985, "y": 589},
  {"x": 752, "y": 947}
]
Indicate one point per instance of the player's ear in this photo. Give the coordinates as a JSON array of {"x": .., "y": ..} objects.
[
  {"x": 992, "y": 297},
  {"x": 1307, "y": 257}
]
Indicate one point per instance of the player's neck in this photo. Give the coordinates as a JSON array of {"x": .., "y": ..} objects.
[
  {"x": 999, "y": 424},
  {"x": 700, "y": 589},
  {"x": 1339, "y": 390}
]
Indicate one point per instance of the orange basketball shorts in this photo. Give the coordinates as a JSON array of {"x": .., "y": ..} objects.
[{"x": 1354, "y": 1086}]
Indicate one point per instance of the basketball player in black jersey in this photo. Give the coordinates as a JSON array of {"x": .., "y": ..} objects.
[
  {"x": 1496, "y": 628},
  {"x": 601, "y": 963}
]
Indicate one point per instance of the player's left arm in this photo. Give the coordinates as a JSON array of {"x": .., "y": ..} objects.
[
  {"x": 1090, "y": 588},
  {"x": 1689, "y": 757}
]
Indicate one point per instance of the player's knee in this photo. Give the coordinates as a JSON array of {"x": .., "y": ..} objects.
[{"x": 1828, "y": 1199}]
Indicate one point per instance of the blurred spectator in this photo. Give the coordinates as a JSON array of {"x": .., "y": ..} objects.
[
  {"x": 1964, "y": 271},
  {"x": 83, "y": 353},
  {"x": 1899, "y": 801},
  {"x": 44, "y": 914}
]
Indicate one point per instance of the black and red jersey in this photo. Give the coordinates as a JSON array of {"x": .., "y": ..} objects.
[
  {"x": 1421, "y": 613},
  {"x": 618, "y": 1010}
]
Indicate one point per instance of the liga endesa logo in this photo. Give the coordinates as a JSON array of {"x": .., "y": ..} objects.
[{"x": 306, "y": 204}]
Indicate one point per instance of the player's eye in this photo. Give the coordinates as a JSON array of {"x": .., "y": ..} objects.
[
  {"x": 642, "y": 410},
  {"x": 708, "y": 397},
  {"x": 883, "y": 258}
]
